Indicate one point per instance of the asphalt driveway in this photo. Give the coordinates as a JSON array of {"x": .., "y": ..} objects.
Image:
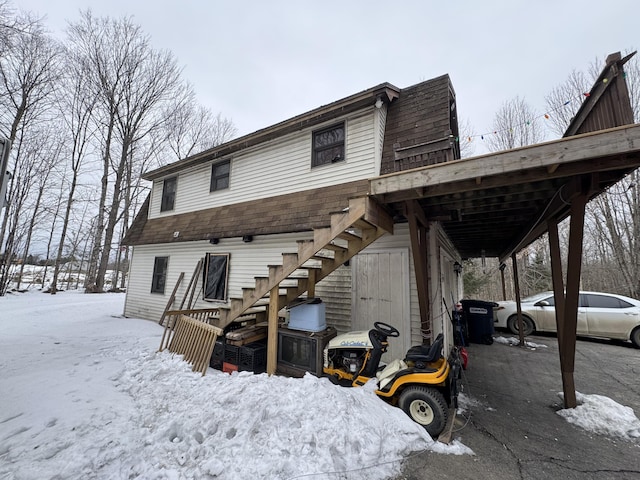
[{"x": 512, "y": 425}]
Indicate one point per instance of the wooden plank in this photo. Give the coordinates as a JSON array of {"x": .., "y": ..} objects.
[
  {"x": 272, "y": 336},
  {"x": 616, "y": 142},
  {"x": 171, "y": 298},
  {"x": 193, "y": 277},
  {"x": 245, "y": 341},
  {"x": 196, "y": 274}
]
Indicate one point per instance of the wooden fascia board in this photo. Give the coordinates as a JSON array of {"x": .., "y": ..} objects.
[
  {"x": 504, "y": 167},
  {"x": 386, "y": 92}
]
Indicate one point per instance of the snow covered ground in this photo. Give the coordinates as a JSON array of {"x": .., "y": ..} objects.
[{"x": 85, "y": 395}]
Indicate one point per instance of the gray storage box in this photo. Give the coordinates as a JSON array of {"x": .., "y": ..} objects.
[{"x": 308, "y": 316}]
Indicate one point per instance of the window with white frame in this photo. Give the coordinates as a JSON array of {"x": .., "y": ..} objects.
[
  {"x": 159, "y": 277},
  {"x": 168, "y": 194},
  {"x": 220, "y": 175}
]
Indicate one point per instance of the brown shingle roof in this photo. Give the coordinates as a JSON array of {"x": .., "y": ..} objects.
[{"x": 294, "y": 212}]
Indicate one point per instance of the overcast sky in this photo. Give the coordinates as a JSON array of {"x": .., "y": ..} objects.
[{"x": 261, "y": 62}]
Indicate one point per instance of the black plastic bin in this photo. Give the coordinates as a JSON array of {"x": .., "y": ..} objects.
[{"x": 478, "y": 316}]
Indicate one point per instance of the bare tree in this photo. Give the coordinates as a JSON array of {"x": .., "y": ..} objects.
[
  {"x": 76, "y": 104},
  {"x": 616, "y": 217},
  {"x": 28, "y": 75},
  {"x": 46, "y": 147},
  {"x": 133, "y": 83},
  {"x": 515, "y": 125},
  {"x": 467, "y": 148},
  {"x": 565, "y": 99}
]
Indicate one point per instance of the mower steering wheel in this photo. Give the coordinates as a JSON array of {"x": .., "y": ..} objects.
[{"x": 386, "y": 329}]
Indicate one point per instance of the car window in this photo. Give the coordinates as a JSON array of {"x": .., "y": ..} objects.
[
  {"x": 535, "y": 298},
  {"x": 604, "y": 301},
  {"x": 550, "y": 300}
]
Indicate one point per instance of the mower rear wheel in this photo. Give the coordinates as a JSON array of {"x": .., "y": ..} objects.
[{"x": 425, "y": 406}]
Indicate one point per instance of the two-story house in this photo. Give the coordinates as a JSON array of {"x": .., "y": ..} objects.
[{"x": 288, "y": 207}]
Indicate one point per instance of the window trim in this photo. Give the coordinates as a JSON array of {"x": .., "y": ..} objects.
[
  {"x": 214, "y": 178},
  {"x": 166, "y": 194},
  {"x": 159, "y": 274},
  {"x": 343, "y": 143}
]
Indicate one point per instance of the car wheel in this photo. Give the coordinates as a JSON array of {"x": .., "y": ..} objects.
[
  {"x": 512, "y": 324},
  {"x": 425, "y": 406},
  {"x": 635, "y": 337}
]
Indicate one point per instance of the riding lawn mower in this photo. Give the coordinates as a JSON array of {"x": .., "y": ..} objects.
[{"x": 424, "y": 384}]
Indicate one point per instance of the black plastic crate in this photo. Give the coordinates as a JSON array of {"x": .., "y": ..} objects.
[
  {"x": 253, "y": 358},
  {"x": 217, "y": 357},
  {"x": 232, "y": 354}
]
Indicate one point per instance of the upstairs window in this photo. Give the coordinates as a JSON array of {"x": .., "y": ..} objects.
[
  {"x": 168, "y": 194},
  {"x": 159, "y": 278},
  {"x": 220, "y": 175},
  {"x": 328, "y": 145}
]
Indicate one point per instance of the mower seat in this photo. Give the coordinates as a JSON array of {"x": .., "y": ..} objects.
[{"x": 426, "y": 353}]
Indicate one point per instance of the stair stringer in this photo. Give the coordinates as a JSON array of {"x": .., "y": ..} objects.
[{"x": 364, "y": 213}]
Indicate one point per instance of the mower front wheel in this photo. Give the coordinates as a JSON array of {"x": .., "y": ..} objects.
[{"x": 425, "y": 406}]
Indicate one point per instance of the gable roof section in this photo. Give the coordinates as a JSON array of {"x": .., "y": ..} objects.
[
  {"x": 385, "y": 91},
  {"x": 295, "y": 212},
  {"x": 419, "y": 129}
]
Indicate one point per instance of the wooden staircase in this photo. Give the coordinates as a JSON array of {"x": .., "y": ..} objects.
[{"x": 350, "y": 232}]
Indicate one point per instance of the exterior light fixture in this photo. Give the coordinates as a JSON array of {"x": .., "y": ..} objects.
[
  {"x": 214, "y": 241},
  {"x": 379, "y": 103},
  {"x": 457, "y": 267},
  {"x": 247, "y": 238}
]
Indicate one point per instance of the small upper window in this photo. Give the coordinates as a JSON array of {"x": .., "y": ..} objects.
[
  {"x": 328, "y": 145},
  {"x": 159, "y": 278},
  {"x": 168, "y": 194},
  {"x": 220, "y": 175}
]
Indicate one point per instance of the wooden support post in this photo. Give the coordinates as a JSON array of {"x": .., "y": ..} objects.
[
  {"x": 311, "y": 285},
  {"x": 557, "y": 278},
  {"x": 516, "y": 287},
  {"x": 574, "y": 266},
  {"x": 418, "y": 234},
  {"x": 504, "y": 288},
  {"x": 272, "y": 333}
]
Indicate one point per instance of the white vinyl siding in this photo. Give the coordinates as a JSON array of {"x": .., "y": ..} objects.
[
  {"x": 380, "y": 123},
  {"x": 247, "y": 261},
  {"x": 335, "y": 291},
  {"x": 278, "y": 167}
]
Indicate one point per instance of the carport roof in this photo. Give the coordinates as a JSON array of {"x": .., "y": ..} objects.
[{"x": 496, "y": 204}]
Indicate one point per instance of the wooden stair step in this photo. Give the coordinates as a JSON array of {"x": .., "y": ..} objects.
[
  {"x": 310, "y": 267},
  {"x": 349, "y": 236},
  {"x": 362, "y": 224},
  {"x": 335, "y": 248}
]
